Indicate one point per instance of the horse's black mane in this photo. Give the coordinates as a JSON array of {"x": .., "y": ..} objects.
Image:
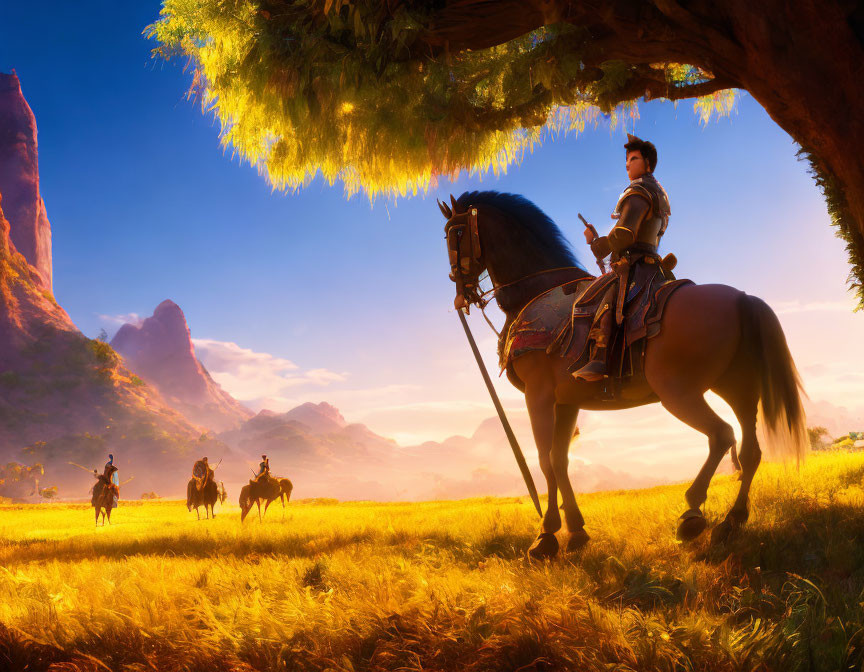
[{"x": 537, "y": 224}]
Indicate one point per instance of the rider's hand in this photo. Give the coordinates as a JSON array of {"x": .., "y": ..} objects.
[{"x": 589, "y": 235}]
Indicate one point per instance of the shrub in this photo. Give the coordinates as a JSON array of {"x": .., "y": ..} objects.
[
  {"x": 10, "y": 379},
  {"x": 103, "y": 352}
]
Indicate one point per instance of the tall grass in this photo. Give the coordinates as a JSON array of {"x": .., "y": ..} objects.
[{"x": 443, "y": 585}]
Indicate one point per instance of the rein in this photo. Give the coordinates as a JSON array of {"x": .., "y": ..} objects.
[{"x": 494, "y": 290}]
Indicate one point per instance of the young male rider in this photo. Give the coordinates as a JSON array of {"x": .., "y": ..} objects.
[{"x": 643, "y": 213}]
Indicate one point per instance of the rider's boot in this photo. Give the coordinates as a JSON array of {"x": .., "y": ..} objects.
[{"x": 596, "y": 368}]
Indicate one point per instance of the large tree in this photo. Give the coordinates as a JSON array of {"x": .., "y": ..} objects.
[{"x": 386, "y": 96}]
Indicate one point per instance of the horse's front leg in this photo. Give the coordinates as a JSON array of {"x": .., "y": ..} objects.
[
  {"x": 540, "y": 400},
  {"x": 565, "y": 426}
]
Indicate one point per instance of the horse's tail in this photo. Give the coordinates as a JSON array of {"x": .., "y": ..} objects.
[
  {"x": 781, "y": 413},
  {"x": 190, "y": 494},
  {"x": 245, "y": 501},
  {"x": 287, "y": 487}
]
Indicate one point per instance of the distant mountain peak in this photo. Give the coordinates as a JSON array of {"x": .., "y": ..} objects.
[
  {"x": 320, "y": 418},
  {"x": 160, "y": 350},
  {"x": 19, "y": 180}
]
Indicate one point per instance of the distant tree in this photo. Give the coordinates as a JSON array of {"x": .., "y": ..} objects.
[
  {"x": 48, "y": 493},
  {"x": 149, "y": 495},
  {"x": 103, "y": 335},
  {"x": 19, "y": 481},
  {"x": 817, "y": 436},
  {"x": 386, "y": 96}
]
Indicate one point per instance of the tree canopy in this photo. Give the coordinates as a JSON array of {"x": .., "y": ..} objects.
[{"x": 387, "y": 96}]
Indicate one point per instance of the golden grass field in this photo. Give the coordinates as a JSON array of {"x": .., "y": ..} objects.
[{"x": 443, "y": 585}]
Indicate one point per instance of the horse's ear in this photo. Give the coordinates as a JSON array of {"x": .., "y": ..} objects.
[
  {"x": 446, "y": 211},
  {"x": 453, "y": 202}
]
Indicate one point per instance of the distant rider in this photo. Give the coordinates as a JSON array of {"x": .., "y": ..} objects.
[
  {"x": 110, "y": 478},
  {"x": 203, "y": 472},
  {"x": 263, "y": 469}
]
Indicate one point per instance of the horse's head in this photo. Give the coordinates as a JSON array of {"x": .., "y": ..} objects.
[
  {"x": 463, "y": 247},
  {"x": 245, "y": 501}
]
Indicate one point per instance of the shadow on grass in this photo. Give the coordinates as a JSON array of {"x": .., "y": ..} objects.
[
  {"x": 813, "y": 541},
  {"x": 85, "y": 547}
]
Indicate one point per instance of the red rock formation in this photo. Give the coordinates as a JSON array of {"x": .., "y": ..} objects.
[
  {"x": 19, "y": 180},
  {"x": 160, "y": 350},
  {"x": 66, "y": 398}
]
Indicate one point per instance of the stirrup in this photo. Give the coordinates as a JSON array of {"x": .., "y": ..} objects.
[{"x": 593, "y": 371}]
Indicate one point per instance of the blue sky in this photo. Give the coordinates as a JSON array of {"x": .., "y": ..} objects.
[{"x": 296, "y": 297}]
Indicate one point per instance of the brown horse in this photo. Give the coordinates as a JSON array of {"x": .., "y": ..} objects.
[
  {"x": 267, "y": 489},
  {"x": 206, "y": 497},
  {"x": 103, "y": 499},
  {"x": 712, "y": 337}
]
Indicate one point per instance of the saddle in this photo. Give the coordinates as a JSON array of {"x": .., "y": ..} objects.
[{"x": 559, "y": 320}]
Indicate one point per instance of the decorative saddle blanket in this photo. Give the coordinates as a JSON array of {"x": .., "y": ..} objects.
[{"x": 558, "y": 321}]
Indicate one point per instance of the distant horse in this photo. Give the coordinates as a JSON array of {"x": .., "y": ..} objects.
[
  {"x": 103, "y": 499},
  {"x": 206, "y": 497},
  {"x": 712, "y": 337},
  {"x": 267, "y": 489}
]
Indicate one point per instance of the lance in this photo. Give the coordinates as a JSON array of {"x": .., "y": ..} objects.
[
  {"x": 590, "y": 227},
  {"x": 89, "y": 471},
  {"x": 517, "y": 451}
]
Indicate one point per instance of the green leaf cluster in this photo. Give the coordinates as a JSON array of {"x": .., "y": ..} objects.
[{"x": 337, "y": 88}]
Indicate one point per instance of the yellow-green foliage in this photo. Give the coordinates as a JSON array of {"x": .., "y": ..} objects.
[
  {"x": 444, "y": 585},
  {"x": 300, "y": 89}
]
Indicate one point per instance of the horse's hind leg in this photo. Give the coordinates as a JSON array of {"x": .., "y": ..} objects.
[
  {"x": 692, "y": 409},
  {"x": 541, "y": 405},
  {"x": 744, "y": 400}
]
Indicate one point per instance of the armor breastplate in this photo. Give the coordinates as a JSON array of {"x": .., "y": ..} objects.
[{"x": 653, "y": 226}]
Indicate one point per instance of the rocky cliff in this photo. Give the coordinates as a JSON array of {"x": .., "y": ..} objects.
[
  {"x": 66, "y": 398},
  {"x": 160, "y": 350},
  {"x": 19, "y": 181}
]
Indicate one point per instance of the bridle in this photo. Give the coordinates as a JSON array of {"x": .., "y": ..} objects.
[
  {"x": 463, "y": 247},
  {"x": 466, "y": 265}
]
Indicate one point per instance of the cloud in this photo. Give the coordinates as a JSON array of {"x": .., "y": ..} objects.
[
  {"x": 249, "y": 375},
  {"x": 786, "y": 307},
  {"x": 120, "y": 320}
]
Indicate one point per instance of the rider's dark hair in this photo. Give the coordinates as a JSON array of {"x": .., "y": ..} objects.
[{"x": 646, "y": 149}]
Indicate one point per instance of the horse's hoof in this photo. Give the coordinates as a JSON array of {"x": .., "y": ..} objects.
[
  {"x": 692, "y": 524},
  {"x": 545, "y": 546},
  {"x": 728, "y": 529},
  {"x": 577, "y": 540},
  {"x": 722, "y": 533}
]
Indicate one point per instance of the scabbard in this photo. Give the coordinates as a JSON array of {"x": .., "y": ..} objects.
[{"x": 622, "y": 270}]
